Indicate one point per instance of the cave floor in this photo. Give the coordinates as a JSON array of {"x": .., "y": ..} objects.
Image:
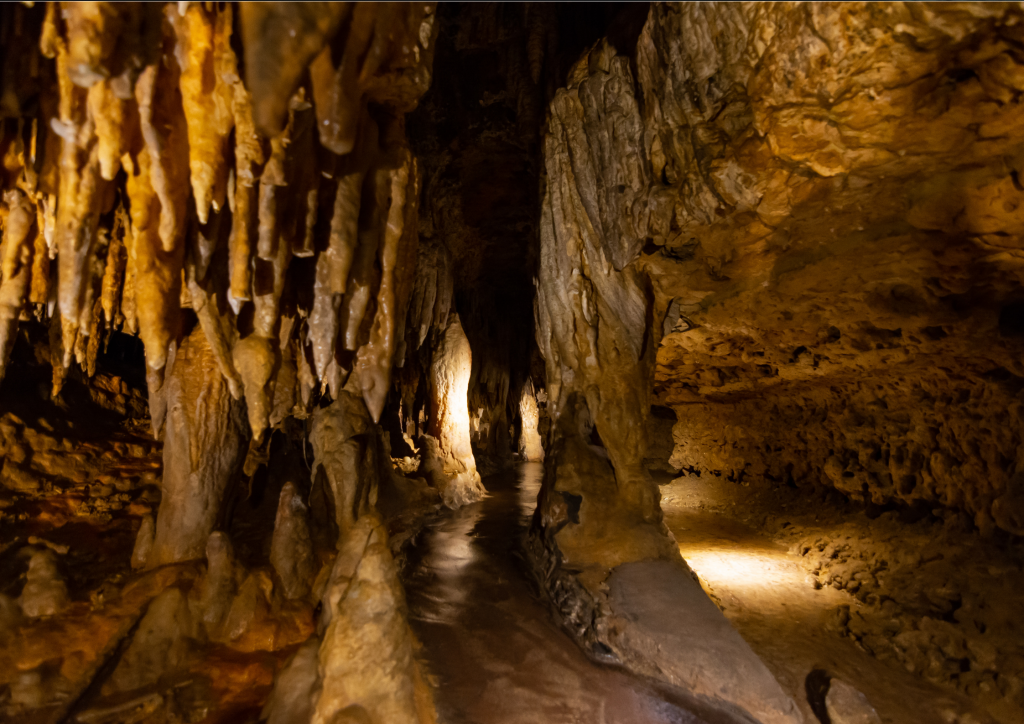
[
  {"x": 492, "y": 648},
  {"x": 770, "y": 596}
]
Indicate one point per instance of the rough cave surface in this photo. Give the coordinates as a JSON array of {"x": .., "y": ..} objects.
[{"x": 411, "y": 363}]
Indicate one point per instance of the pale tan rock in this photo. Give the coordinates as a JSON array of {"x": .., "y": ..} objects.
[
  {"x": 530, "y": 447},
  {"x": 291, "y": 548},
  {"x": 160, "y": 645},
  {"x": 366, "y": 657},
  {"x": 203, "y": 450},
  {"x": 846, "y": 705},
  {"x": 296, "y": 688},
  {"x": 143, "y": 541},
  {"x": 213, "y": 594},
  {"x": 45, "y": 593},
  {"x": 452, "y": 467}
]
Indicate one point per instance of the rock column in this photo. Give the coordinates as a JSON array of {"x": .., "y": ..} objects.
[
  {"x": 599, "y": 506},
  {"x": 448, "y": 454},
  {"x": 367, "y": 669},
  {"x": 204, "y": 447},
  {"x": 530, "y": 447}
]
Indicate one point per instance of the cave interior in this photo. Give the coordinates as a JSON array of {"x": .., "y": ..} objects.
[{"x": 500, "y": 363}]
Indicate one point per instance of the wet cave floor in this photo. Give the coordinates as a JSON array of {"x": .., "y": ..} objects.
[
  {"x": 496, "y": 655},
  {"x": 491, "y": 646}
]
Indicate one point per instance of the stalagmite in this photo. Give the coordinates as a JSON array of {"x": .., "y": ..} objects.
[
  {"x": 45, "y": 593},
  {"x": 449, "y": 462},
  {"x": 291, "y": 550},
  {"x": 367, "y": 667},
  {"x": 215, "y": 591},
  {"x": 203, "y": 451},
  {"x": 530, "y": 446}
]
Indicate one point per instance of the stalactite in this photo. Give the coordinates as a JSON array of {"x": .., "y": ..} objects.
[
  {"x": 374, "y": 358},
  {"x": 20, "y": 231},
  {"x": 80, "y": 195},
  {"x": 116, "y": 122},
  {"x": 156, "y": 90},
  {"x": 282, "y": 39},
  {"x": 207, "y": 68},
  {"x": 114, "y": 269}
]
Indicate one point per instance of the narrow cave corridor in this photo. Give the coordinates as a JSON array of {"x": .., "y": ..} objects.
[{"x": 494, "y": 363}]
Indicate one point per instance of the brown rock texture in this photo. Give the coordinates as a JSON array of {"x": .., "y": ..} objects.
[
  {"x": 836, "y": 236},
  {"x": 204, "y": 446},
  {"x": 449, "y": 463},
  {"x": 367, "y": 669},
  {"x": 599, "y": 505},
  {"x": 801, "y": 224}
]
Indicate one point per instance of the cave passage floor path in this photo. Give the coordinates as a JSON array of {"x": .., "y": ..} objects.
[
  {"x": 766, "y": 593},
  {"x": 492, "y": 647}
]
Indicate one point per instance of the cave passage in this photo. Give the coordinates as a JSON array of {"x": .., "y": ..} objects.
[
  {"x": 496, "y": 653},
  {"x": 484, "y": 363}
]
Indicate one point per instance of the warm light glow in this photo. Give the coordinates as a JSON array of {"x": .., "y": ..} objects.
[{"x": 742, "y": 568}]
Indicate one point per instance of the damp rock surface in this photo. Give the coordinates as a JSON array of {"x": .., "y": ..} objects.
[{"x": 669, "y": 626}]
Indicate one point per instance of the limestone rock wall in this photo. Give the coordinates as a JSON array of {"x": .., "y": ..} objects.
[
  {"x": 824, "y": 198},
  {"x": 593, "y": 309}
]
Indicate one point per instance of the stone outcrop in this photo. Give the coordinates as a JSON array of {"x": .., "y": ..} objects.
[
  {"x": 808, "y": 216},
  {"x": 448, "y": 461},
  {"x": 836, "y": 253},
  {"x": 531, "y": 448},
  {"x": 599, "y": 505},
  {"x": 670, "y": 629},
  {"x": 204, "y": 446},
  {"x": 367, "y": 669}
]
